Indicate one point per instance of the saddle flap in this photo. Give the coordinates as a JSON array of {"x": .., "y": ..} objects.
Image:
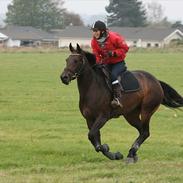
[{"x": 128, "y": 82}]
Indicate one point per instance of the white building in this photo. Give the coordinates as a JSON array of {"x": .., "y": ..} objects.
[
  {"x": 17, "y": 36},
  {"x": 3, "y": 38},
  {"x": 135, "y": 37}
]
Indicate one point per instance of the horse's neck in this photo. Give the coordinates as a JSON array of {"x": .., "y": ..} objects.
[
  {"x": 85, "y": 79},
  {"x": 92, "y": 89},
  {"x": 89, "y": 80}
]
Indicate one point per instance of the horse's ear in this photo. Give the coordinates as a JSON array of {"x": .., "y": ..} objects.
[
  {"x": 71, "y": 47},
  {"x": 79, "y": 50}
]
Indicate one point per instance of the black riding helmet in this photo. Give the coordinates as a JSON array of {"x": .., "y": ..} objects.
[{"x": 99, "y": 25}]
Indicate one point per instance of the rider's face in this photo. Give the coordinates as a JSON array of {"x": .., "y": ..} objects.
[{"x": 96, "y": 34}]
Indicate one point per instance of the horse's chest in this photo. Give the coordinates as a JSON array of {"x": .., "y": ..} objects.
[
  {"x": 86, "y": 112},
  {"x": 88, "y": 109}
]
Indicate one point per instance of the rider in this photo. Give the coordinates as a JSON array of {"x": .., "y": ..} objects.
[{"x": 110, "y": 48}]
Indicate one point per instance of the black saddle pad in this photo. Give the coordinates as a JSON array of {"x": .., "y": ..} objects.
[{"x": 129, "y": 82}]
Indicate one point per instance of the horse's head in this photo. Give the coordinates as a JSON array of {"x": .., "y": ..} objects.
[{"x": 74, "y": 65}]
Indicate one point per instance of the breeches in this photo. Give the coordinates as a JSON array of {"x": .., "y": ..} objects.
[{"x": 117, "y": 69}]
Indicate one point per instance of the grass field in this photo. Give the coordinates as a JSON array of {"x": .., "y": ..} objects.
[{"x": 43, "y": 137}]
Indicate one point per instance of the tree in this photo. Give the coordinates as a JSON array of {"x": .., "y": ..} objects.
[
  {"x": 154, "y": 12},
  {"x": 43, "y": 14},
  {"x": 126, "y": 13},
  {"x": 72, "y": 19},
  {"x": 177, "y": 24},
  {"x": 164, "y": 23}
]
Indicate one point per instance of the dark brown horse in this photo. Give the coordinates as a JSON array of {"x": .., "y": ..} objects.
[{"x": 95, "y": 99}]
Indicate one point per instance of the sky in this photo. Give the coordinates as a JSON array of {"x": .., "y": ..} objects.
[{"x": 172, "y": 8}]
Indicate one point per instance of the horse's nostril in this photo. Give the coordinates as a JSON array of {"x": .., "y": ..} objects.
[{"x": 64, "y": 78}]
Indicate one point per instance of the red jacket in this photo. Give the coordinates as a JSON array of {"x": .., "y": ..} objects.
[{"x": 115, "y": 43}]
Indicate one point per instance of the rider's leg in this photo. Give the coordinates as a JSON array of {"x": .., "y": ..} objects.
[{"x": 116, "y": 69}]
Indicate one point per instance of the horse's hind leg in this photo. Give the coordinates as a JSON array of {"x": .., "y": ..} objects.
[{"x": 142, "y": 125}]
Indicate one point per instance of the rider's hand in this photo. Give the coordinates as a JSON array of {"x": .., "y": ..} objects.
[{"x": 112, "y": 54}]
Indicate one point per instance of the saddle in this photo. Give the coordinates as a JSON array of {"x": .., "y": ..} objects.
[
  {"x": 127, "y": 79},
  {"x": 128, "y": 82}
]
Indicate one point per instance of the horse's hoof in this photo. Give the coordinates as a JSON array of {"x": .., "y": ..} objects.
[
  {"x": 105, "y": 148},
  {"x": 131, "y": 160},
  {"x": 98, "y": 148},
  {"x": 118, "y": 156},
  {"x": 135, "y": 158}
]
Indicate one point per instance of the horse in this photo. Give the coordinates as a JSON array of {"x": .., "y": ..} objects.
[{"x": 95, "y": 100}]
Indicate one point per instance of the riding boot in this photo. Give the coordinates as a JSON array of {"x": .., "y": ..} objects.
[{"x": 117, "y": 95}]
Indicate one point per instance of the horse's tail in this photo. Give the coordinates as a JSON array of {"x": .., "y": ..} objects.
[{"x": 171, "y": 97}]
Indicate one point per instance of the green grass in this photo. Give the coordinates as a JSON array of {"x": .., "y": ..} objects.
[{"x": 43, "y": 137}]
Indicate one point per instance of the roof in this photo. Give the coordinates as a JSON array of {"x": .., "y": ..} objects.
[
  {"x": 145, "y": 33},
  {"x": 26, "y": 33},
  {"x": 3, "y": 37},
  {"x": 75, "y": 31},
  {"x": 130, "y": 33}
]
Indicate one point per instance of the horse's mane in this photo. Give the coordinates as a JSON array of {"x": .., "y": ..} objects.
[
  {"x": 90, "y": 57},
  {"x": 96, "y": 67},
  {"x": 100, "y": 69}
]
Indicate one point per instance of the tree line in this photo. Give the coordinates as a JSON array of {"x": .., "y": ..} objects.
[
  {"x": 44, "y": 14},
  {"x": 50, "y": 14}
]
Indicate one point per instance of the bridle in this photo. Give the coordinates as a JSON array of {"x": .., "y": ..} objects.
[{"x": 78, "y": 73}]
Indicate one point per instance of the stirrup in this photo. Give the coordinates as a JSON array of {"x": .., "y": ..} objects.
[{"x": 116, "y": 104}]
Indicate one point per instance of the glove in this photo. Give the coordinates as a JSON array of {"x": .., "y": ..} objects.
[{"x": 112, "y": 54}]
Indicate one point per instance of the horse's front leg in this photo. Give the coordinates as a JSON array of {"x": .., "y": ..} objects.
[{"x": 94, "y": 137}]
